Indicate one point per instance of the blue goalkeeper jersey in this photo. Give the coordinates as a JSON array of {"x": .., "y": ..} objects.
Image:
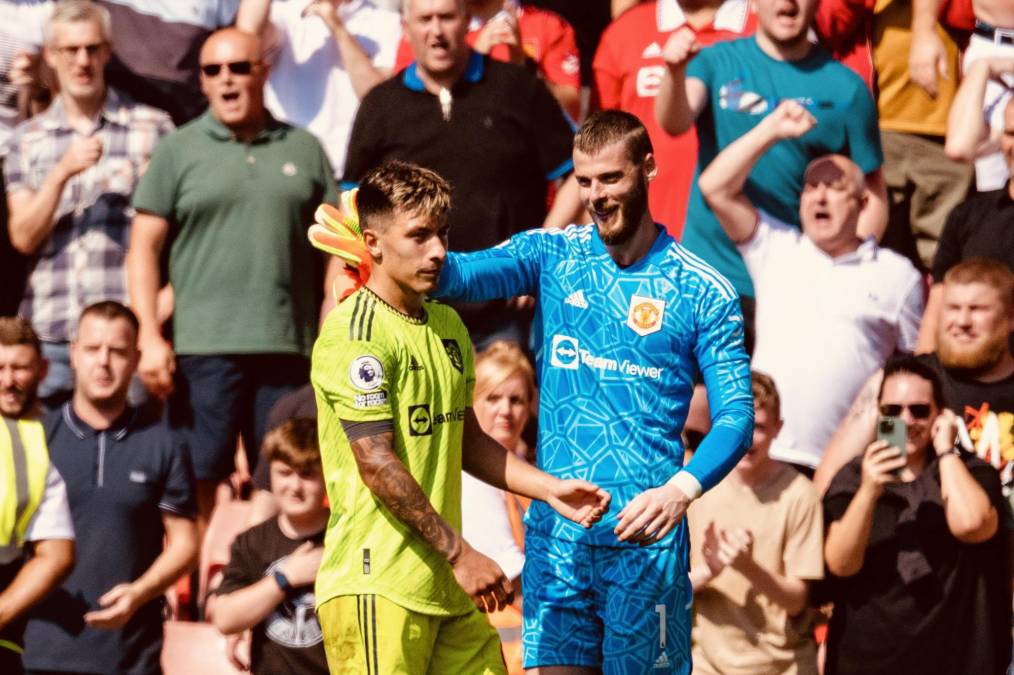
[{"x": 618, "y": 351}]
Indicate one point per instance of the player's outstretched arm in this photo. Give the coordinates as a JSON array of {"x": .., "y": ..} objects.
[
  {"x": 505, "y": 271},
  {"x": 487, "y": 460},
  {"x": 387, "y": 478}
]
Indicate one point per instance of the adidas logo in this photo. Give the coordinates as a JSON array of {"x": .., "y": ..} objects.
[
  {"x": 652, "y": 51},
  {"x": 576, "y": 299},
  {"x": 413, "y": 364},
  {"x": 662, "y": 661}
]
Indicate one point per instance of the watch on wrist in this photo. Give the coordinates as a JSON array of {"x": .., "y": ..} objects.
[
  {"x": 953, "y": 450},
  {"x": 282, "y": 581}
]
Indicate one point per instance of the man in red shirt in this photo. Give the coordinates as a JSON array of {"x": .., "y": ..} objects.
[
  {"x": 628, "y": 69},
  {"x": 518, "y": 34}
]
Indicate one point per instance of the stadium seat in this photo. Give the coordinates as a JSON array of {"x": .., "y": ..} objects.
[
  {"x": 194, "y": 648},
  {"x": 227, "y": 520}
]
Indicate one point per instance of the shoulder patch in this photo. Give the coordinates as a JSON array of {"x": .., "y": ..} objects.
[
  {"x": 366, "y": 373},
  {"x": 454, "y": 354}
]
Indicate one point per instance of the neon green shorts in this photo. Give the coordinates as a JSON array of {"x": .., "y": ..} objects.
[{"x": 369, "y": 634}]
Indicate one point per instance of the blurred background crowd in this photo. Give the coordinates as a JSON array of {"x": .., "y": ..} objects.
[{"x": 845, "y": 163}]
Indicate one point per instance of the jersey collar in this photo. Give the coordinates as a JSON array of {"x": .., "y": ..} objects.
[
  {"x": 731, "y": 16},
  {"x": 662, "y": 240},
  {"x": 82, "y": 429},
  {"x": 473, "y": 72}
]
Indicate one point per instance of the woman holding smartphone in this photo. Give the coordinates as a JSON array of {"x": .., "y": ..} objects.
[{"x": 917, "y": 562}]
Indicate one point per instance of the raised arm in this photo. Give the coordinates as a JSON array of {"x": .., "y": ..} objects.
[
  {"x": 968, "y": 133},
  {"x": 971, "y": 517},
  {"x": 252, "y": 15},
  {"x": 679, "y": 100},
  {"x": 388, "y": 479},
  {"x": 177, "y": 558},
  {"x": 722, "y": 181},
  {"x": 32, "y": 211},
  {"x": 490, "y": 462},
  {"x": 848, "y": 537},
  {"x": 856, "y": 431},
  {"x": 873, "y": 217},
  {"x": 356, "y": 62}
]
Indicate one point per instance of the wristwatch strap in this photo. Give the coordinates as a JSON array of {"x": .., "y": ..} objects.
[{"x": 282, "y": 581}]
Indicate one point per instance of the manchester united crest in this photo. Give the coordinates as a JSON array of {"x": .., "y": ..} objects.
[
  {"x": 454, "y": 354},
  {"x": 645, "y": 315}
]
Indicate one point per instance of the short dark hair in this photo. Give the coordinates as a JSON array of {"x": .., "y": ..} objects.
[
  {"x": 405, "y": 187},
  {"x": 293, "y": 443},
  {"x": 606, "y": 127},
  {"x": 110, "y": 310},
  {"x": 987, "y": 271},
  {"x": 16, "y": 331},
  {"x": 765, "y": 393},
  {"x": 913, "y": 365}
]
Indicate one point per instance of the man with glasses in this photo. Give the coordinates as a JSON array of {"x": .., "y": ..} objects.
[
  {"x": 918, "y": 564},
  {"x": 70, "y": 174},
  {"x": 236, "y": 188},
  {"x": 826, "y": 298}
]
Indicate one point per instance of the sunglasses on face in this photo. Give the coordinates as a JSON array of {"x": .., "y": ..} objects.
[
  {"x": 919, "y": 411},
  {"x": 234, "y": 67}
]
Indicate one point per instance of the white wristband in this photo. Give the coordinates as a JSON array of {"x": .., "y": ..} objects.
[{"x": 687, "y": 484}]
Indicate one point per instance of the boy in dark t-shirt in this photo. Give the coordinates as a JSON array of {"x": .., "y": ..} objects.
[{"x": 268, "y": 583}]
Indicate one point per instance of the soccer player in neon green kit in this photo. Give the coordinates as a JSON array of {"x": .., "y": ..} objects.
[{"x": 399, "y": 589}]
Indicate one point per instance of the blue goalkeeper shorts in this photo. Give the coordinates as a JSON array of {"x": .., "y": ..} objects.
[{"x": 624, "y": 610}]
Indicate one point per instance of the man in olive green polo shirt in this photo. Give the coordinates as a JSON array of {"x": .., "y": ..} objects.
[{"x": 231, "y": 194}]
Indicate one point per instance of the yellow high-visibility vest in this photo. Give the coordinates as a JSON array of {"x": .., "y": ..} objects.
[{"x": 24, "y": 464}]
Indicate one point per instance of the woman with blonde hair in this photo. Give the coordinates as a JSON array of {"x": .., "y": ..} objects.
[{"x": 504, "y": 400}]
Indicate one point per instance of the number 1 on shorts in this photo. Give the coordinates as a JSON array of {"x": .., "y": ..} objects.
[{"x": 660, "y": 609}]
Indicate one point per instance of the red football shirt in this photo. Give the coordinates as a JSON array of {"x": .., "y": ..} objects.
[
  {"x": 628, "y": 71},
  {"x": 546, "y": 38}
]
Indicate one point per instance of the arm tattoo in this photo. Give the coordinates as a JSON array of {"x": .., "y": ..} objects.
[{"x": 388, "y": 479}]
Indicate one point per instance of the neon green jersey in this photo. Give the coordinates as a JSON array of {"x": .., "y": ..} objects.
[{"x": 372, "y": 363}]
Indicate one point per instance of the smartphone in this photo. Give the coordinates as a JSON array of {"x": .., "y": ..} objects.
[{"x": 894, "y": 431}]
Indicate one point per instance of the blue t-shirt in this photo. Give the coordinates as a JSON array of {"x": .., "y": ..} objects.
[
  {"x": 744, "y": 84},
  {"x": 618, "y": 352}
]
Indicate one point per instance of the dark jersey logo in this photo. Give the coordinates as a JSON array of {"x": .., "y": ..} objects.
[
  {"x": 454, "y": 354},
  {"x": 420, "y": 422}
]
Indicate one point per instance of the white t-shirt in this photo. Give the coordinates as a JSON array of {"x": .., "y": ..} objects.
[
  {"x": 51, "y": 519},
  {"x": 824, "y": 326},
  {"x": 486, "y": 525},
  {"x": 308, "y": 86}
]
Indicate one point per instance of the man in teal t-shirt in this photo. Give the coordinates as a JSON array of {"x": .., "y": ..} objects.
[
  {"x": 729, "y": 87},
  {"x": 230, "y": 196}
]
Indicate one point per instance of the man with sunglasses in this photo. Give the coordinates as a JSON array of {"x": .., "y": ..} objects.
[
  {"x": 236, "y": 188},
  {"x": 919, "y": 568},
  {"x": 825, "y": 298},
  {"x": 70, "y": 174}
]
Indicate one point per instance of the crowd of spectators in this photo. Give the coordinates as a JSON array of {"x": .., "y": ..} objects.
[{"x": 162, "y": 160}]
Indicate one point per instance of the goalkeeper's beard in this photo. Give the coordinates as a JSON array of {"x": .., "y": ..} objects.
[{"x": 631, "y": 210}]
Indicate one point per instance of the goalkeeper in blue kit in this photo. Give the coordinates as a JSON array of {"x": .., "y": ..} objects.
[{"x": 626, "y": 321}]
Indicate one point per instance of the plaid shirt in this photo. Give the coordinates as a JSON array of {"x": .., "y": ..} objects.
[{"x": 82, "y": 260}]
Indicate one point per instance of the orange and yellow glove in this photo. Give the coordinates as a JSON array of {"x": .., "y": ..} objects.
[{"x": 337, "y": 232}]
